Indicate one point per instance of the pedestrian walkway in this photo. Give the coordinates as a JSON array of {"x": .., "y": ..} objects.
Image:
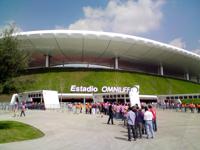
[{"x": 178, "y": 131}]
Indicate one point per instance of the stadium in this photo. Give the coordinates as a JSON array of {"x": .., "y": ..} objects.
[
  {"x": 51, "y": 48},
  {"x": 110, "y": 52}
]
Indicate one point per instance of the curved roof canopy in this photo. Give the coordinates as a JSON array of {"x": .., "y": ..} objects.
[{"x": 71, "y": 46}]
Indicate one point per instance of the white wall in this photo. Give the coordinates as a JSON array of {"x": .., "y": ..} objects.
[{"x": 51, "y": 99}]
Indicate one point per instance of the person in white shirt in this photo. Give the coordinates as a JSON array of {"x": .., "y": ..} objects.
[{"x": 148, "y": 117}]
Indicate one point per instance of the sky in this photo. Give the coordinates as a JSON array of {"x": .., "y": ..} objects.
[{"x": 175, "y": 22}]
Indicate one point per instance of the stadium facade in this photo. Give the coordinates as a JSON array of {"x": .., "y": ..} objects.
[{"x": 54, "y": 48}]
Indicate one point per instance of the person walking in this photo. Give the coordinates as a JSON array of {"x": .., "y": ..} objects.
[
  {"x": 16, "y": 106},
  {"x": 131, "y": 123},
  {"x": 23, "y": 109},
  {"x": 110, "y": 113},
  {"x": 148, "y": 117}
]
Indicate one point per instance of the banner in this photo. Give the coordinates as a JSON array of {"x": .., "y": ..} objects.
[{"x": 134, "y": 96}]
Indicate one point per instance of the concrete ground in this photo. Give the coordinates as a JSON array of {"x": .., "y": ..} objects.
[{"x": 176, "y": 130}]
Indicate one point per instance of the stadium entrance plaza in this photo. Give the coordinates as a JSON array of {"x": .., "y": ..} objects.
[{"x": 176, "y": 130}]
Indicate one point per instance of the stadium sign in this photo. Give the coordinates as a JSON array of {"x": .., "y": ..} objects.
[{"x": 104, "y": 89}]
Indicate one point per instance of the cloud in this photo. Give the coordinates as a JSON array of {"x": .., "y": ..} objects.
[
  {"x": 122, "y": 16},
  {"x": 178, "y": 42}
]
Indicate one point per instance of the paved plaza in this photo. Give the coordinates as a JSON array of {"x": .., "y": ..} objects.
[{"x": 65, "y": 131}]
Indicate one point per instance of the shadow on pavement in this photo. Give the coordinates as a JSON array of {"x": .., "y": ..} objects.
[{"x": 121, "y": 138}]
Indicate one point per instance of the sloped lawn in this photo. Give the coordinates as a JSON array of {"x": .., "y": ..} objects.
[{"x": 12, "y": 131}]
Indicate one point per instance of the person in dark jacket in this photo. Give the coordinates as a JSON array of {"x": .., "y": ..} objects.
[
  {"x": 110, "y": 113},
  {"x": 139, "y": 122}
]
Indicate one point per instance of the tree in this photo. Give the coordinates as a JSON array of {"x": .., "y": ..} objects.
[{"x": 12, "y": 58}]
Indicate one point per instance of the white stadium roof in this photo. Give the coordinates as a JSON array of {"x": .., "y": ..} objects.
[{"x": 72, "y": 46}]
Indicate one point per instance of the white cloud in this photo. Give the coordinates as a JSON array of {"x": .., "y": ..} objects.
[
  {"x": 178, "y": 42},
  {"x": 124, "y": 16}
]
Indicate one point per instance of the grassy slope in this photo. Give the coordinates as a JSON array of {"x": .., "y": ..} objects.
[
  {"x": 12, "y": 131},
  {"x": 148, "y": 84}
]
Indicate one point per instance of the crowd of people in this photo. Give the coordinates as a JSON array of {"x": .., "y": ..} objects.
[
  {"x": 139, "y": 121},
  {"x": 191, "y": 107}
]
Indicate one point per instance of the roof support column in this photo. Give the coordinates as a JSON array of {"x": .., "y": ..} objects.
[
  {"x": 84, "y": 106},
  {"x": 47, "y": 61},
  {"x": 116, "y": 63},
  {"x": 124, "y": 98},
  {"x": 63, "y": 65},
  {"x": 187, "y": 76},
  {"x": 161, "y": 71}
]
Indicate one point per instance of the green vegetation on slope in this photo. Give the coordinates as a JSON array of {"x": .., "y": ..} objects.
[
  {"x": 11, "y": 131},
  {"x": 62, "y": 81}
]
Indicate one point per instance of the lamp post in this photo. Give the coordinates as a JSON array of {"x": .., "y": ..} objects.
[{"x": 61, "y": 89}]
